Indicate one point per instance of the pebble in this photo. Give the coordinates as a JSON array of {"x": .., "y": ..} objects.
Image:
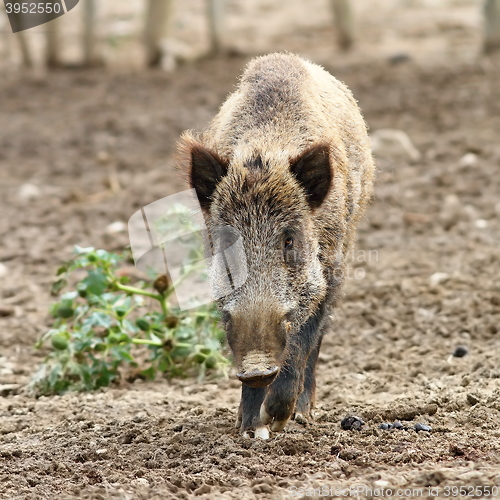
[
  {"x": 393, "y": 143},
  {"x": 422, "y": 427},
  {"x": 3, "y": 270},
  {"x": 6, "y": 311},
  {"x": 28, "y": 192},
  {"x": 352, "y": 422},
  {"x": 399, "y": 58},
  {"x": 472, "y": 399},
  {"x": 438, "y": 278},
  {"x": 460, "y": 351},
  {"x": 468, "y": 160},
  {"x": 395, "y": 425},
  {"x": 116, "y": 227}
]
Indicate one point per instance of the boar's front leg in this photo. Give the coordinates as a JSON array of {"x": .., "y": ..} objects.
[
  {"x": 306, "y": 400},
  {"x": 296, "y": 376},
  {"x": 249, "y": 412}
]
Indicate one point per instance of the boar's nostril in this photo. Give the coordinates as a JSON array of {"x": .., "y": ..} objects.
[{"x": 258, "y": 378}]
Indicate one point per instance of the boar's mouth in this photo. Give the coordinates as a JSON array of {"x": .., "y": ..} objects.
[{"x": 258, "y": 378}]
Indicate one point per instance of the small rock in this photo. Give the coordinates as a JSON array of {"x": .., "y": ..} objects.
[
  {"x": 460, "y": 351},
  {"x": 6, "y": 389},
  {"x": 471, "y": 212},
  {"x": 381, "y": 483},
  {"x": 399, "y": 58},
  {"x": 116, "y": 227},
  {"x": 438, "y": 278},
  {"x": 472, "y": 399},
  {"x": 6, "y": 311},
  {"x": 422, "y": 427},
  {"x": 385, "y": 426},
  {"x": 397, "y": 425},
  {"x": 468, "y": 160},
  {"x": 352, "y": 422},
  {"x": 3, "y": 270},
  {"x": 392, "y": 143},
  {"x": 28, "y": 192},
  {"x": 103, "y": 157},
  {"x": 481, "y": 223}
]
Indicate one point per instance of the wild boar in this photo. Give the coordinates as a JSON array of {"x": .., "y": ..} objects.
[{"x": 287, "y": 163}]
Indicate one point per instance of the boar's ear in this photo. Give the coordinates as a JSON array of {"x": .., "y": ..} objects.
[
  {"x": 206, "y": 171},
  {"x": 313, "y": 171}
]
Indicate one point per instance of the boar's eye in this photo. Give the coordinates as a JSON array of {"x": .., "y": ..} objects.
[{"x": 288, "y": 243}]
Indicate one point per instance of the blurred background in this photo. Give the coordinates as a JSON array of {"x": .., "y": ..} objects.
[{"x": 136, "y": 33}]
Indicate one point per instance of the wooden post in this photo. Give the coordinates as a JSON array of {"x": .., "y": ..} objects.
[
  {"x": 491, "y": 26},
  {"x": 52, "y": 58},
  {"x": 90, "y": 54},
  {"x": 215, "y": 15},
  {"x": 344, "y": 22},
  {"x": 158, "y": 16},
  {"x": 25, "y": 49},
  {"x": 4, "y": 25}
]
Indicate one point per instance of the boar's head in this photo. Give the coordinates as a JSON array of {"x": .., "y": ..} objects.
[{"x": 272, "y": 202}]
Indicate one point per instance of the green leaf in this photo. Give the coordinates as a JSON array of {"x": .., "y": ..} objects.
[
  {"x": 57, "y": 286},
  {"x": 211, "y": 362},
  {"x": 149, "y": 373},
  {"x": 142, "y": 324},
  {"x": 59, "y": 342},
  {"x": 96, "y": 282},
  {"x": 63, "y": 269},
  {"x": 65, "y": 312}
]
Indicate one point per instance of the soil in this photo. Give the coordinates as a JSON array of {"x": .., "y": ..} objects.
[{"x": 80, "y": 150}]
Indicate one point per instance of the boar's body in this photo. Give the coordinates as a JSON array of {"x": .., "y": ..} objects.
[{"x": 287, "y": 163}]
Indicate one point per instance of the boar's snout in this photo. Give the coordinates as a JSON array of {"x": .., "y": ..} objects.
[
  {"x": 258, "y": 378},
  {"x": 258, "y": 342}
]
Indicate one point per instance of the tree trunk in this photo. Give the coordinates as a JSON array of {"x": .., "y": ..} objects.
[
  {"x": 215, "y": 14},
  {"x": 90, "y": 54},
  {"x": 491, "y": 25},
  {"x": 25, "y": 49},
  {"x": 52, "y": 58},
  {"x": 344, "y": 22},
  {"x": 158, "y": 16}
]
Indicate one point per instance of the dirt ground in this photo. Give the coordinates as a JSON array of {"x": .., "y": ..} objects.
[{"x": 80, "y": 150}]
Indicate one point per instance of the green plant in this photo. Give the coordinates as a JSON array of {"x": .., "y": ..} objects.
[{"x": 103, "y": 330}]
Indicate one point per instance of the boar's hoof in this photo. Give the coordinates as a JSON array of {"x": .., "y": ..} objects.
[
  {"x": 260, "y": 432},
  {"x": 265, "y": 418},
  {"x": 258, "y": 378}
]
